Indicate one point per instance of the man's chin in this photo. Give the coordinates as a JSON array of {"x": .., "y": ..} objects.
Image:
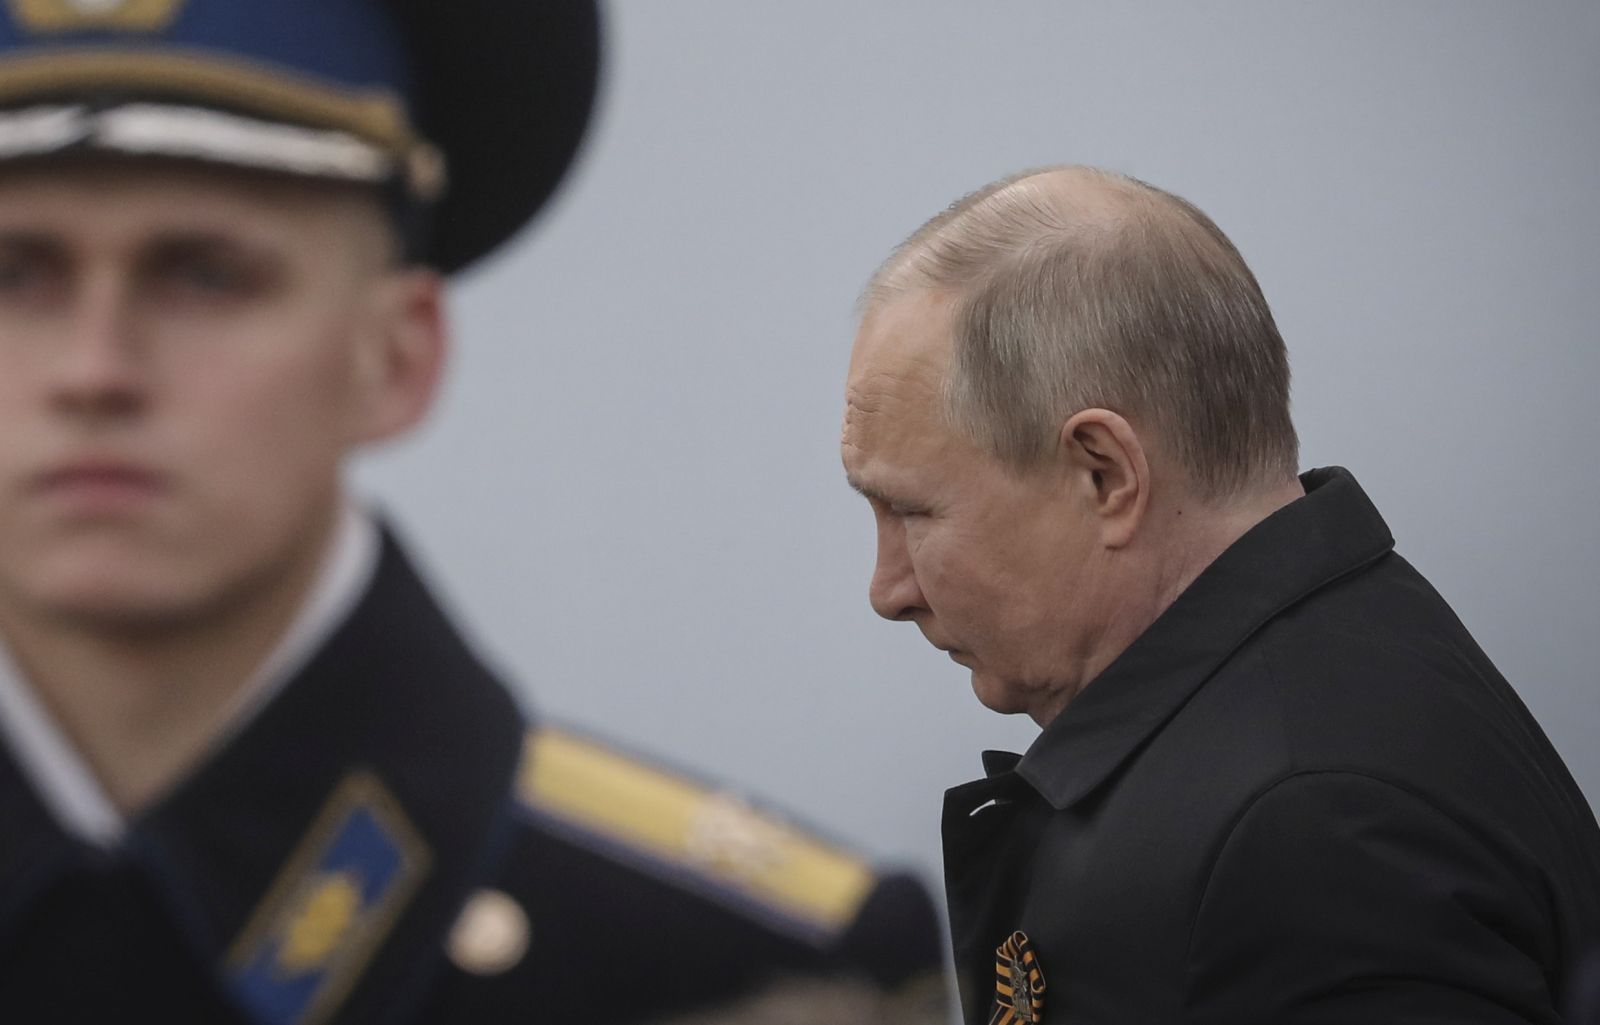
[
  {"x": 997, "y": 695},
  {"x": 112, "y": 609},
  {"x": 116, "y": 595}
]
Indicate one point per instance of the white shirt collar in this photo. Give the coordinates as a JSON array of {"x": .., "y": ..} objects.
[{"x": 59, "y": 774}]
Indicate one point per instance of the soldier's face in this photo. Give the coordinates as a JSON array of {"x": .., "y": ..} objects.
[
  {"x": 186, "y": 357},
  {"x": 995, "y": 567}
]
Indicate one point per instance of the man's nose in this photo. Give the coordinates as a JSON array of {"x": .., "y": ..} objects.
[
  {"x": 99, "y": 368},
  {"x": 894, "y": 592}
]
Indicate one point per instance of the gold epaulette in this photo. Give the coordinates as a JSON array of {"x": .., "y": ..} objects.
[{"x": 692, "y": 828}]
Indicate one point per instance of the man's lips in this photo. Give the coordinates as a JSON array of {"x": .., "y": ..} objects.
[
  {"x": 100, "y": 483},
  {"x": 956, "y": 654}
]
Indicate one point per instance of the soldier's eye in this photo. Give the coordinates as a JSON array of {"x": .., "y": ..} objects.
[
  {"x": 16, "y": 273},
  {"x": 208, "y": 269},
  {"x": 26, "y": 272},
  {"x": 207, "y": 275}
]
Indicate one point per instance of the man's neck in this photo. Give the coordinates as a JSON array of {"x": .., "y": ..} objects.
[
  {"x": 1200, "y": 534},
  {"x": 1192, "y": 537},
  {"x": 142, "y": 705}
]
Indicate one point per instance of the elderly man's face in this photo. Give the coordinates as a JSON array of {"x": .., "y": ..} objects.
[
  {"x": 993, "y": 566},
  {"x": 186, "y": 356}
]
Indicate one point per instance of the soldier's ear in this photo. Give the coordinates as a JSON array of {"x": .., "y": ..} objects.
[
  {"x": 1107, "y": 471},
  {"x": 400, "y": 357}
]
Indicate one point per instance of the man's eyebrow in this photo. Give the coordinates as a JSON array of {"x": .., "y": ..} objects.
[
  {"x": 203, "y": 240},
  {"x": 20, "y": 237},
  {"x": 27, "y": 238}
]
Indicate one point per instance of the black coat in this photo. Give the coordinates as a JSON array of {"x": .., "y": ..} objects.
[
  {"x": 1303, "y": 795},
  {"x": 313, "y": 869}
]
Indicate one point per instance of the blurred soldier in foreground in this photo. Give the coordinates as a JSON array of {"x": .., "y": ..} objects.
[
  {"x": 249, "y": 771},
  {"x": 1277, "y": 781}
]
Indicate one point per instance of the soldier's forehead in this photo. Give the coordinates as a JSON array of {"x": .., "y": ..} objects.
[{"x": 107, "y": 196}]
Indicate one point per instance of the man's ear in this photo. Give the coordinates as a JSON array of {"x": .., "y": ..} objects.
[
  {"x": 1107, "y": 465},
  {"x": 400, "y": 358}
]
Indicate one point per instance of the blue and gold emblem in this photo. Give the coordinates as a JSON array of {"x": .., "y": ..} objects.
[
  {"x": 330, "y": 907},
  {"x": 1019, "y": 983}
]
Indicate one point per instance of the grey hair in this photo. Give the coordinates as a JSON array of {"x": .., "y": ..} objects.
[{"x": 1116, "y": 295}]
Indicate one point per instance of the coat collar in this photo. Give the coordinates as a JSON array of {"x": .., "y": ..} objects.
[
  {"x": 1309, "y": 543},
  {"x": 331, "y": 841},
  {"x": 61, "y": 776}
]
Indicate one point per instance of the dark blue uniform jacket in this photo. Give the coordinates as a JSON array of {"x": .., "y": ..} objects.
[{"x": 387, "y": 841}]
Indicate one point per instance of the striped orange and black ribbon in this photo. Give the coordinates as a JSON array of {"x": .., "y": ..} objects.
[{"x": 1018, "y": 985}]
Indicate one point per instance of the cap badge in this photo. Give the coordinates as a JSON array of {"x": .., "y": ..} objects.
[
  {"x": 77, "y": 15},
  {"x": 1019, "y": 983}
]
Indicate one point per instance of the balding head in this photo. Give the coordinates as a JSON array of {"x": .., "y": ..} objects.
[
  {"x": 1066, "y": 398},
  {"x": 1073, "y": 288},
  {"x": 963, "y": 242}
]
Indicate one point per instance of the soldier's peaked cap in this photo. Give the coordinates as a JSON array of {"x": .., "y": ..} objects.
[{"x": 469, "y": 110}]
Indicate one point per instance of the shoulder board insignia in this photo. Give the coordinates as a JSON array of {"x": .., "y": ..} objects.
[{"x": 694, "y": 831}]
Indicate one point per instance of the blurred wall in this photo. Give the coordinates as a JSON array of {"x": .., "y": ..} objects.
[{"x": 632, "y": 491}]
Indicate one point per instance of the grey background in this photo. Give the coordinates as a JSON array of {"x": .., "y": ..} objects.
[{"x": 632, "y": 491}]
